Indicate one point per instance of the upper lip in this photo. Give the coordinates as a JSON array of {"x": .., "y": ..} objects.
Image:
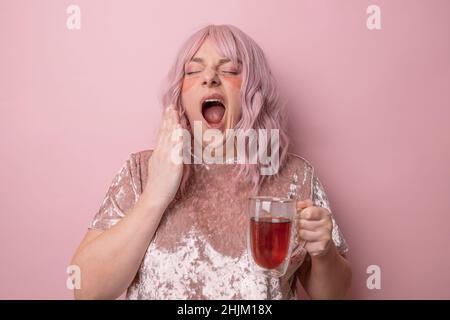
[{"x": 213, "y": 96}]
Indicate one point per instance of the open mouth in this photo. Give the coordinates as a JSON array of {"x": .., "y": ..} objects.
[{"x": 213, "y": 111}]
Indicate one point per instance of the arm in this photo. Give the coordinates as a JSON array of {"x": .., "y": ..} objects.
[
  {"x": 110, "y": 259},
  {"x": 327, "y": 275}
]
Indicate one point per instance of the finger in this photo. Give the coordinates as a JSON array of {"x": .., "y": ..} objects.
[
  {"x": 309, "y": 235},
  {"x": 162, "y": 133},
  {"x": 161, "y": 138},
  {"x": 167, "y": 113},
  {"x": 304, "y": 204},
  {"x": 167, "y": 117},
  {"x": 170, "y": 114},
  {"x": 164, "y": 123},
  {"x": 311, "y": 213},
  {"x": 172, "y": 126},
  {"x": 167, "y": 126},
  {"x": 311, "y": 225},
  {"x": 176, "y": 115},
  {"x": 168, "y": 109},
  {"x": 176, "y": 134}
]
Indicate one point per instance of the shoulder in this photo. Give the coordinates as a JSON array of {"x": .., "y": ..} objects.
[
  {"x": 297, "y": 161},
  {"x": 300, "y": 161}
]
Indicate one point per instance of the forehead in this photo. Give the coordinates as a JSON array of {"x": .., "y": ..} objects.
[
  {"x": 208, "y": 49},
  {"x": 209, "y": 52}
]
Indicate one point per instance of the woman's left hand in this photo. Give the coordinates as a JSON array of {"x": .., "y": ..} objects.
[{"x": 315, "y": 227}]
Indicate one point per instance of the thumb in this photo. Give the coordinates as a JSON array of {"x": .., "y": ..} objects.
[{"x": 304, "y": 204}]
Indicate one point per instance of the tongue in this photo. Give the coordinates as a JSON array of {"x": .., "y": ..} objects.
[{"x": 214, "y": 114}]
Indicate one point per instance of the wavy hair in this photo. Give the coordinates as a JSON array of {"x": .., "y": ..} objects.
[{"x": 260, "y": 99}]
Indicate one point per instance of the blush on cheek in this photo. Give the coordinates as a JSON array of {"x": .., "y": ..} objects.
[
  {"x": 188, "y": 83},
  {"x": 234, "y": 81}
]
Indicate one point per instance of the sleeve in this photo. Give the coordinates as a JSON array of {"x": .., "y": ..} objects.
[
  {"x": 320, "y": 199},
  {"x": 120, "y": 197}
]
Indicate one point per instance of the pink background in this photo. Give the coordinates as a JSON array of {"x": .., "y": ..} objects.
[{"x": 371, "y": 112}]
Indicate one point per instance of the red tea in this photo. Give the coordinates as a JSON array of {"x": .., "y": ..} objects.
[{"x": 270, "y": 240}]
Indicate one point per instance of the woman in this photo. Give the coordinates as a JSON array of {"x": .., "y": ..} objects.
[{"x": 168, "y": 230}]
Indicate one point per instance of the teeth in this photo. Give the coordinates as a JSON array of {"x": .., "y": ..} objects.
[{"x": 214, "y": 100}]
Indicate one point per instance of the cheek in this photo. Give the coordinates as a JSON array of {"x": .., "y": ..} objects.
[
  {"x": 234, "y": 81},
  {"x": 188, "y": 83},
  {"x": 188, "y": 100}
]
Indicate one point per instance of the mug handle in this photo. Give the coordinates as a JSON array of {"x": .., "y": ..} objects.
[
  {"x": 299, "y": 244},
  {"x": 293, "y": 194}
]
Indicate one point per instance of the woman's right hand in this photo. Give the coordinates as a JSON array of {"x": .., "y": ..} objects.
[{"x": 164, "y": 174}]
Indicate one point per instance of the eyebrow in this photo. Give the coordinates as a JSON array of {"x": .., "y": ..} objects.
[{"x": 221, "y": 61}]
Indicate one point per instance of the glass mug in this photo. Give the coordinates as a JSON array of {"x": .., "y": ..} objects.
[{"x": 271, "y": 232}]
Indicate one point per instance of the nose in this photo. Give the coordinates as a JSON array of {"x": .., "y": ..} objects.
[{"x": 211, "y": 79}]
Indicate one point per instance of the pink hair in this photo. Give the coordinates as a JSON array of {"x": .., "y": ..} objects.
[{"x": 260, "y": 101}]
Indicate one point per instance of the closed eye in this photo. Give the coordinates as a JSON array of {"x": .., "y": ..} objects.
[
  {"x": 192, "y": 72},
  {"x": 231, "y": 72}
]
